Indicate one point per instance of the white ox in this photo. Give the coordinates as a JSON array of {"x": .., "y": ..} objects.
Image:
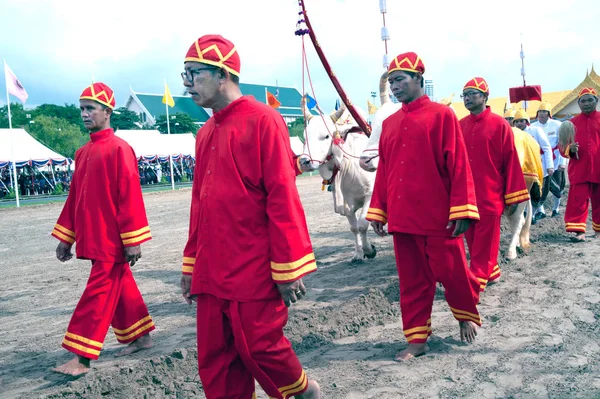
[
  {"x": 369, "y": 160},
  {"x": 333, "y": 145}
]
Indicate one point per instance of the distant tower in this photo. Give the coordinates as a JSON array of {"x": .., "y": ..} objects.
[{"x": 429, "y": 89}]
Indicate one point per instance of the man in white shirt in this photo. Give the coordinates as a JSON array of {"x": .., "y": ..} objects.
[
  {"x": 522, "y": 122},
  {"x": 556, "y": 185}
]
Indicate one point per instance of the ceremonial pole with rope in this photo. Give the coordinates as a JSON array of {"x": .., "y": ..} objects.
[{"x": 307, "y": 29}]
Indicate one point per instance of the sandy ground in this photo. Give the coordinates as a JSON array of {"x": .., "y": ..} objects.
[{"x": 540, "y": 336}]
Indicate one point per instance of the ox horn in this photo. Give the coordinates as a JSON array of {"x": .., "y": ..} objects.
[
  {"x": 384, "y": 96},
  {"x": 338, "y": 114},
  {"x": 305, "y": 109}
]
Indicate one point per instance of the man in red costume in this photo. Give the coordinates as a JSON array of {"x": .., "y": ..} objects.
[
  {"x": 425, "y": 190},
  {"x": 584, "y": 167},
  {"x": 105, "y": 215},
  {"x": 498, "y": 177},
  {"x": 248, "y": 245}
]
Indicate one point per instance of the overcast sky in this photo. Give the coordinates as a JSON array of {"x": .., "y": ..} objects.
[{"x": 55, "y": 46}]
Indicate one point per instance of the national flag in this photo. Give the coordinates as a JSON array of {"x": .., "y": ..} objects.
[
  {"x": 311, "y": 102},
  {"x": 372, "y": 108},
  {"x": 13, "y": 85},
  {"x": 167, "y": 97},
  {"x": 272, "y": 100}
]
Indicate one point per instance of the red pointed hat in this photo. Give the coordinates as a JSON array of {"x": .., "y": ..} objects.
[
  {"x": 409, "y": 62},
  {"x": 217, "y": 51},
  {"x": 587, "y": 90},
  {"x": 100, "y": 93},
  {"x": 478, "y": 84}
]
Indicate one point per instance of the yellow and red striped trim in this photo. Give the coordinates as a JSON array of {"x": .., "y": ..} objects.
[
  {"x": 462, "y": 315},
  {"x": 292, "y": 271},
  {"x": 420, "y": 333},
  {"x": 188, "y": 265},
  {"x": 575, "y": 227},
  {"x": 134, "y": 331},
  {"x": 296, "y": 388},
  {"x": 81, "y": 345},
  {"x": 136, "y": 237},
  {"x": 596, "y": 226},
  {"x": 482, "y": 283},
  {"x": 495, "y": 273},
  {"x": 379, "y": 215},
  {"x": 516, "y": 197},
  {"x": 464, "y": 212},
  {"x": 63, "y": 234}
]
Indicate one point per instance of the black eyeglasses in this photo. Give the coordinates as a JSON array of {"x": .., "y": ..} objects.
[
  {"x": 470, "y": 94},
  {"x": 189, "y": 73}
]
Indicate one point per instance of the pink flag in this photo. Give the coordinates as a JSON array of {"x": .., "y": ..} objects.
[{"x": 13, "y": 85}]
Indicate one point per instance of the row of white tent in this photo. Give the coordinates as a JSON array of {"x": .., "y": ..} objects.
[{"x": 148, "y": 145}]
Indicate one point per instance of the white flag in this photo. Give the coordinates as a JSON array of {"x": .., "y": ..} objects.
[{"x": 13, "y": 85}]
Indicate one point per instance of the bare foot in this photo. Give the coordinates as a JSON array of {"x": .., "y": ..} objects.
[
  {"x": 312, "y": 392},
  {"x": 78, "y": 366},
  {"x": 143, "y": 342},
  {"x": 468, "y": 331},
  {"x": 580, "y": 237},
  {"x": 597, "y": 235},
  {"x": 411, "y": 351}
]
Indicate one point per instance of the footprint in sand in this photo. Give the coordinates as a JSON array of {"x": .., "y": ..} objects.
[
  {"x": 577, "y": 361},
  {"x": 587, "y": 316}
]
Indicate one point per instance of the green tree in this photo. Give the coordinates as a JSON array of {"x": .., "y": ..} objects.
[
  {"x": 68, "y": 112},
  {"x": 180, "y": 123},
  {"x": 57, "y": 134},
  {"x": 296, "y": 128},
  {"x": 125, "y": 119},
  {"x": 18, "y": 114}
]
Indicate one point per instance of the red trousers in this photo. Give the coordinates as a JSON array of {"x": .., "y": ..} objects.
[
  {"x": 483, "y": 240},
  {"x": 239, "y": 342},
  {"x": 421, "y": 262},
  {"x": 111, "y": 297},
  {"x": 578, "y": 202}
]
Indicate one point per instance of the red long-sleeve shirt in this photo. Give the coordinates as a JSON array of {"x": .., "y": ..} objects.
[
  {"x": 586, "y": 169},
  {"x": 248, "y": 229},
  {"x": 494, "y": 161},
  {"x": 423, "y": 178},
  {"x": 104, "y": 211}
]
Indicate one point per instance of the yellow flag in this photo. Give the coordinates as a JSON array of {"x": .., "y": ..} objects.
[
  {"x": 372, "y": 108},
  {"x": 168, "y": 98}
]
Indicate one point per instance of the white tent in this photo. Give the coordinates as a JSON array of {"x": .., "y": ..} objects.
[
  {"x": 149, "y": 144},
  {"x": 26, "y": 149},
  {"x": 297, "y": 146}
]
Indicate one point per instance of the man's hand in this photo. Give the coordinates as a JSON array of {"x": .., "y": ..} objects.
[
  {"x": 574, "y": 150},
  {"x": 562, "y": 167},
  {"x": 292, "y": 292},
  {"x": 186, "y": 286},
  {"x": 132, "y": 254},
  {"x": 378, "y": 228},
  {"x": 460, "y": 226},
  {"x": 63, "y": 252},
  {"x": 550, "y": 171}
]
